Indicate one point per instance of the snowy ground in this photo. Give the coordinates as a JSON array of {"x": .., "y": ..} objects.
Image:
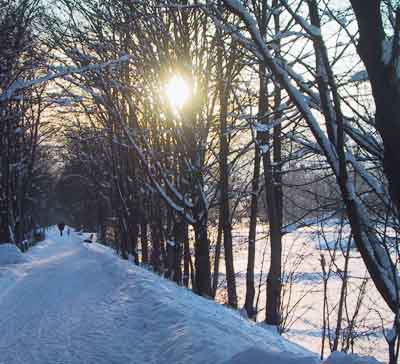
[
  {"x": 302, "y": 269},
  {"x": 76, "y": 303}
]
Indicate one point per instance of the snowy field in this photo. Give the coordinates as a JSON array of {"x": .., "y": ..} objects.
[
  {"x": 79, "y": 303},
  {"x": 304, "y": 285}
]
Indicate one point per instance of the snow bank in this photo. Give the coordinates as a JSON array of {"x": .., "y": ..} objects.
[
  {"x": 191, "y": 329},
  {"x": 343, "y": 358},
  {"x": 258, "y": 356},
  {"x": 10, "y": 254}
]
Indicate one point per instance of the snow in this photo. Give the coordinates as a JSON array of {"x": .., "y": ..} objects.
[
  {"x": 61, "y": 72},
  {"x": 282, "y": 35},
  {"x": 340, "y": 358},
  {"x": 332, "y": 236},
  {"x": 80, "y": 303},
  {"x": 312, "y": 30},
  {"x": 88, "y": 305},
  {"x": 303, "y": 245},
  {"x": 10, "y": 254},
  {"x": 259, "y": 356}
]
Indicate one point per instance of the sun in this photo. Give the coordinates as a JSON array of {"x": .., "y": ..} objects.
[{"x": 178, "y": 92}]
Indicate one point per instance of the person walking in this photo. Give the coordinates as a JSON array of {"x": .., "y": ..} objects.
[{"x": 61, "y": 226}]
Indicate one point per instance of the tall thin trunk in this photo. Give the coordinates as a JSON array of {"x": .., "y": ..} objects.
[
  {"x": 202, "y": 262},
  {"x": 250, "y": 289},
  {"x": 134, "y": 241},
  {"x": 124, "y": 236},
  {"x": 144, "y": 242},
  {"x": 156, "y": 235},
  {"x": 342, "y": 299},
  {"x": 217, "y": 257},
  {"x": 273, "y": 197},
  {"x": 156, "y": 248},
  {"x": 274, "y": 279},
  {"x": 179, "y": 233},
  {"x": 186, "y": 257},
  {"x": 273, "y": 188},
  {"x": 223, "y": 91}
]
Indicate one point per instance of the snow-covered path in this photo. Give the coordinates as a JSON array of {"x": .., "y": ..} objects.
[{"x": 75, "y": 303}]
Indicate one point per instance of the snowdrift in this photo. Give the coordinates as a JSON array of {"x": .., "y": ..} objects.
[
  {"x": 10, "y": 254},
  {"x": 342, "y": 358},
  {"x": 259, "y": 356},
  {"x": 192, "y": 329}
]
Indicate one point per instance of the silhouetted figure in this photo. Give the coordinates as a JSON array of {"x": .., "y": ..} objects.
[
  {"x": 61, "y": 227},
  {"x": 68, "y": 231}
]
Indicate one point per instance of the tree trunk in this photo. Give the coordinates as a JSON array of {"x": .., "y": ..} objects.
[
  {"x": 179, "y": 236},
  {"x": 217, "y": 257},
  {"x": 4, "y": 227},
  {"x": 250, "y": 289},
  {"x": 385, "y": 85},
  {"x": 156, "y": 248},
  {"x": 224, "y": 179},
  {"x": 186, "y": 257},
  {"x": 144, "y": 243},
  {"x": 273, "y": 193},
  {"x": 202, "y": 261},
  {"x": 274, "y": 279}
]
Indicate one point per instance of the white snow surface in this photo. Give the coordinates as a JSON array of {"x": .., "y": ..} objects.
[
  {"x": 340, "y": 358},
  {"x": 10, "y": 254},
  {"x": 80, "y": 303}
]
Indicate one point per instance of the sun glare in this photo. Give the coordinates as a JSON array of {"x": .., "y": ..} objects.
[{"x": 178, "y": 92}]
